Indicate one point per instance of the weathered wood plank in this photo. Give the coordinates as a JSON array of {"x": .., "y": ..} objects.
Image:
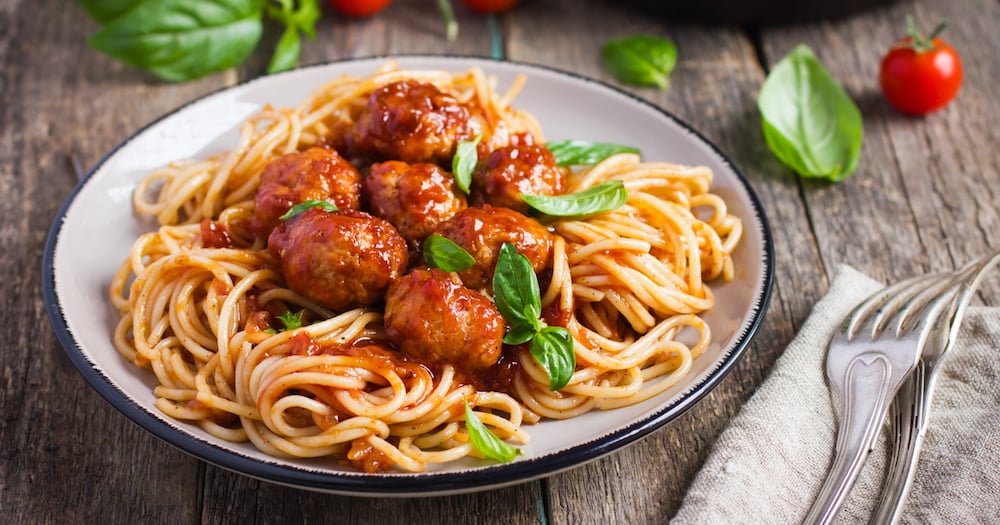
[
  {"x": 237, "y": 499},
  {"x": 925, "y": 196},
  {"x": 67, "y": 452}
]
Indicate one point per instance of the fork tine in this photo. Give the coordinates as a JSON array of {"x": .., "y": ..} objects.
[
  {"x": 869, "y": 317},
  {"x": 912, "y": 403},
  {"x": 927, "y": 307}
]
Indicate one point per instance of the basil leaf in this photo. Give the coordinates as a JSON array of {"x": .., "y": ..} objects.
[
  {"x": 286, "y": 54},
  {"x": 809, "y": 121},
  {"x": 180, "y": 40},
  {"x": 104, "y": 11},
  {"x": 485, "y": 441},
  {"x": 606, "y": 196},
  {"x": 305, "y": 17},
  {"x": 583, "y": 153},
  {"x": 515, "y": 290},
  {"x": 305, "y": 205},
  {"x": 520, "y": 333},
  {"x": 552, "y": 347},
  {"x": 641, "y": 60},
  {"x": 464, "y": 162},
  {"x": 441, "y": 252}
]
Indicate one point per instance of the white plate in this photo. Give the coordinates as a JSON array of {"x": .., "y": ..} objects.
[{"x": 95, "y": 228}]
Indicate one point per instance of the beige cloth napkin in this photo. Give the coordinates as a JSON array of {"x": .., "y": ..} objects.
[{"x": 770, "y": 462}]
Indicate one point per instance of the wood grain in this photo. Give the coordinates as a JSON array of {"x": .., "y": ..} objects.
[{"x": 926, "y": 198}]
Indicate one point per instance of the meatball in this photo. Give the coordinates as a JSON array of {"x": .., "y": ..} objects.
[
  {"x": 414, "y": 122},
  {"x": 512, "y": 170},
  {"x": 482, "y": 231},
  {"x": 342, "y": 260},
  {"x": 414, "y": 198},
  {"x": 430, "y": 316},
  {"x": 314, "y": 174}
]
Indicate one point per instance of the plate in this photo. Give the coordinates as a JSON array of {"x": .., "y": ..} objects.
[{"x": 96, "y": 227}]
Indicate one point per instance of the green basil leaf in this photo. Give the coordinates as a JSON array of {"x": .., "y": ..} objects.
[
  {"x": 515, "y": 289},
  {"x": 305, "y": 17},
  {"x": 641, "y": 60},
  {"x": 606, "y": 196},
  {"x": 180, "y": 40},
  {"x": 104, "y": 11},
  {"x": 552, "y": 347},
  {"x": 441, "y": 252},
  {"x": 809, "y": 121},
  {"x": 464, "y": 162},
  {"x": 520, "y": 333},
  {"x": 583, "y": 153},
  {"x": 286, "y": 54},
  {"x": 485, "y": 441},
  {"x": 305, "y": 205}
]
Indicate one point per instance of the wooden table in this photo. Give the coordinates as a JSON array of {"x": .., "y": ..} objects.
[{"x": 927, "y": 197}]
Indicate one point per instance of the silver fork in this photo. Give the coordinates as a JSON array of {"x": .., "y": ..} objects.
[
  {"x": 908, "y": 416},
  {"x": 877, "y": 347}
]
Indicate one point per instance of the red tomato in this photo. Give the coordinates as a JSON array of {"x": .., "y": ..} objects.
[
  {"x": 359, "y": 7},
  {"x": 489, "y": 6},
  {"x": 920, "y": 75}
]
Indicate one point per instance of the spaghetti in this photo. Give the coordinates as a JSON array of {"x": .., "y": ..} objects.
[{"x": 195, "y": 297}]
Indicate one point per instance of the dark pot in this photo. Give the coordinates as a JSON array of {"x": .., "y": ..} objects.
[{"x": 752, "y": 11}]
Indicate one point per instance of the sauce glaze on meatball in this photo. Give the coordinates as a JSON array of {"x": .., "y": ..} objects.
[
  {"x": 414, "y": 198},
  {"x": 432, "y": 317},
  {"x": 314, "y": 174},
  {"x": 482, "y": 231},
  {"x": 342, "y": 260},
  {"x": 512, "y": 170},
  {"x": 413, "y": 122}
]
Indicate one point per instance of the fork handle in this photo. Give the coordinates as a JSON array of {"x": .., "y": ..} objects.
[
  {"x": 869, "y": 384},
  {"x": 905, "y": 413},
  {"x": 914, "y": 399}
]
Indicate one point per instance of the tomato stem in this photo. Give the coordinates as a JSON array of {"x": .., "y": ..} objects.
[{"x": 920, "y": 42}]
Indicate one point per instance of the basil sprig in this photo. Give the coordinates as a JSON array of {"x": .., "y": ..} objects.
[
  {"x": 180, "y": 40},
  {"x": 301, "y": 20},
  {"x": 606, "y": 196},
  {"x": 305, "y": 205},
  {"x": 464, "y": 162},
  {"x": 583, "y": 153},
  {"x": 810, "y": 123},
  {"x": 485, "y": 441},
  {"x": 441, "y": 252},
  {"x": 641, "y": 60},
  {"x": 517, "y": 296}
]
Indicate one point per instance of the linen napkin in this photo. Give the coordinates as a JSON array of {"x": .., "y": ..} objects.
[{"x": 769, "y": 463}]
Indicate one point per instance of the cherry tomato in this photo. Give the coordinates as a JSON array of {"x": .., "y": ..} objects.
[
  {"x": 920, "y": 74},
  {"x": 489, "y": 6},
  {"x": 359, "y": 7}
]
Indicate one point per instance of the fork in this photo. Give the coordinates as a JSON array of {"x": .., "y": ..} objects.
[
  {"x": 908, "y": 416},
  {"x": 877, "y": 347}
]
